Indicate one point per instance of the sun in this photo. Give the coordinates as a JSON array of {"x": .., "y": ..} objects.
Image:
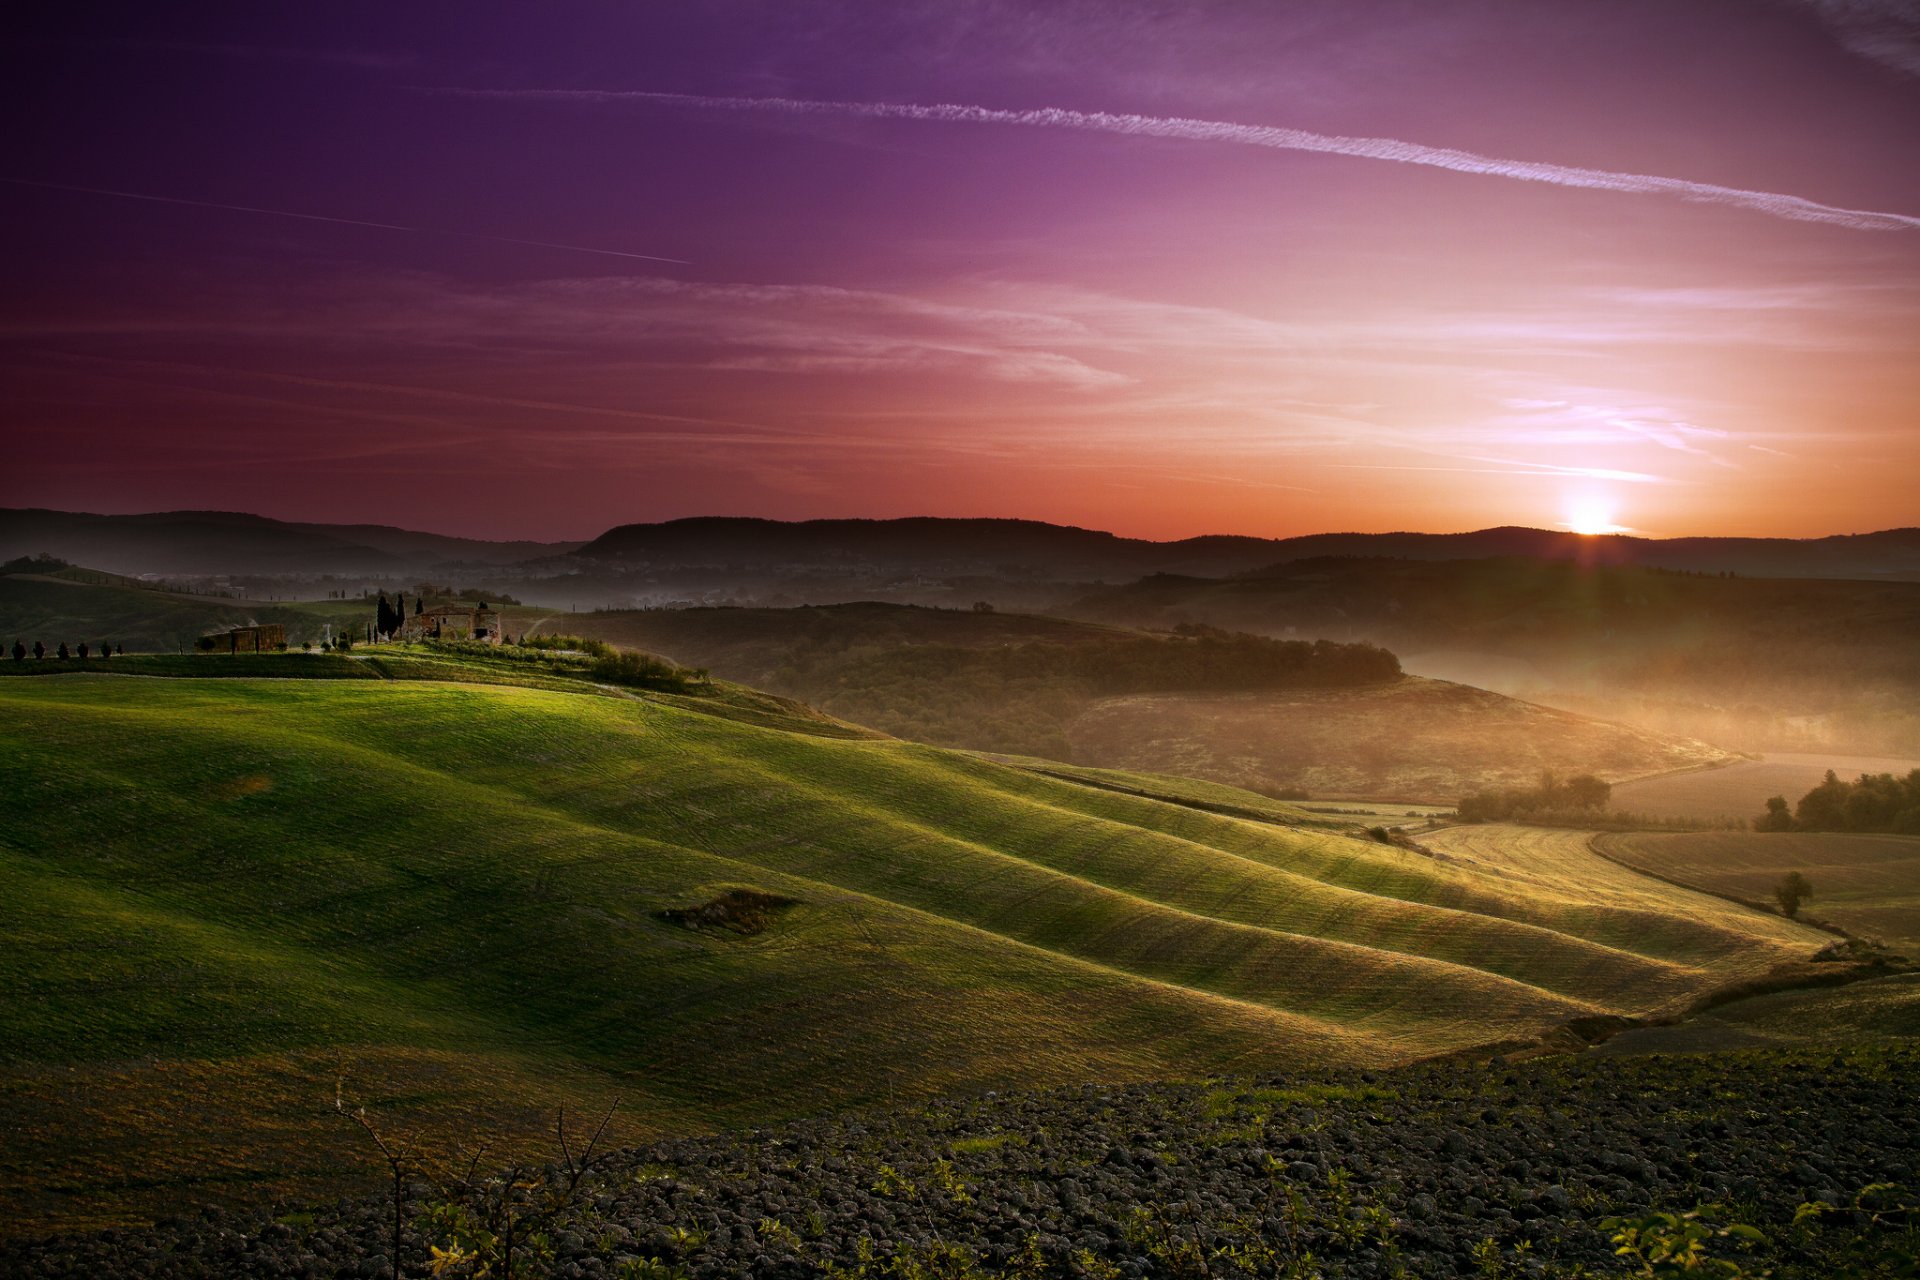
[{"x": 1591, "y": 516}]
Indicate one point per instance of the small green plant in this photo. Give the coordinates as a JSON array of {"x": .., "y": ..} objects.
[
  {"x": 893, "y": 1184},
  {"x": 774, "y": 1231},
  {"x": 949, "y": 1183},
  {"x": 1491, "y": 1262},
  {"x": 1877, "y": 1233},
  {"x": 686, "y": 1240},
  {"x": 987, "y": 1142},
  {"x": 649, "y": 1269},
  {"x": 1660, "y": 1245}
]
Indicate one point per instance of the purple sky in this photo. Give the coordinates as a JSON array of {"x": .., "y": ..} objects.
[{"x": 1672, "y": 285}]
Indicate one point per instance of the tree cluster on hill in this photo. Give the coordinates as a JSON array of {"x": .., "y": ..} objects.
[
  {"x": 1200, "y": 661},
  {"x": 84, "y": 650},
  {"x": 577, "y": 644},
  {"x": 604, "y": 663},
  {"x": 482, "y": 596},
  {"x": 1019, "y": 697},
  {"x": 1582, "y": 792},
  {"x": 1874, "y": 802},
  {"x": 643, "y": 671},
  {"x": 42, "y": 563},
  {"x": 390, "y": 618}
]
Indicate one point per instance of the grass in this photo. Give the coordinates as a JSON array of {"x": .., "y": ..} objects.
[
  {"x": 1884, "y": 1011},
  {"x": 1866, "y": 884},
  {"x": 79, "y": 604},
  {"x": 218, "y": 895}
]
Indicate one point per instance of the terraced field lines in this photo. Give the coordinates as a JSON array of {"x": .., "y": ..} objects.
[
  {"x": 450, "y": 889},
  {"x": 1866, "y": 884}
]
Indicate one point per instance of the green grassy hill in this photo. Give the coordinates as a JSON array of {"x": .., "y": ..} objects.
[
  {"x": 1031, "y": 685},
  {"x": 219, "y": 895},
  {"x": 72, "y": 604}
]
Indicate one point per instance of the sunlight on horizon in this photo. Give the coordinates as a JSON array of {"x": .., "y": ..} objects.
[{"x": 1592, "y": 515}]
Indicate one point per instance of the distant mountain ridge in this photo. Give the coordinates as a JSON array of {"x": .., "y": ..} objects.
[
  {"x": 929, "y": 541},
  {"x": 934, "y": 542},
  {"x": 205, "y": 543},
  {"x": 213, "y": 543}
]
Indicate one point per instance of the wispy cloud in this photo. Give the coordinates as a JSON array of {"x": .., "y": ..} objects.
[
  {"x": 1882, "y": 31},
  {"x": 1776, "y": 204},
  {"x": 1511, "y": 467},
  {"x": 350, "y": 222}
]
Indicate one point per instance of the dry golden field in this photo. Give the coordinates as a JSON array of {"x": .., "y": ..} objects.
[{"x": 1866, "y": 884}]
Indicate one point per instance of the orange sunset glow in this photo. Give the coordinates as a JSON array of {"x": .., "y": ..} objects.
[{"x": 1598, "y": 267}]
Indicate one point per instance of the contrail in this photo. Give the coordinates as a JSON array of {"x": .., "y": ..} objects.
[
  {"x": 349, "y": 222},
  {"x": 1279, "y": 139}
]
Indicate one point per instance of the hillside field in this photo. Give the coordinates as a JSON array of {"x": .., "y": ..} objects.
[
  {"x": 1879, "y": 1011},
  {"x": 73, "y": 604},
  {"x": 965, "y": 679},
  {"x": 219, "y": 896},
  {"x": 1865, "y": 884},
  {"x": 1423, "y": 742}
]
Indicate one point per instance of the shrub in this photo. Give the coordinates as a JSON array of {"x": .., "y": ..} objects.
[
  {"x": 1582, "y": 793},
  {"x": 578, "y": 644},
  {"x": 640, "y": 670},
  {"x": 1792, "y": 889}
]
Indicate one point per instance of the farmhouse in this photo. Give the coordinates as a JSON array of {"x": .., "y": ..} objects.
[
  {"x": 453, "y": 622},
  {"x": 261, "y": 639}
]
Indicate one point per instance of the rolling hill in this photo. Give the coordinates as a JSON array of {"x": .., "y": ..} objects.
[
  {"x": 942, "y": 547},
  {"x": 53, "y": 602},
  {"x": 1866, "y": 884},
  {"x": 231, "y": 543},
  {"x": 219, "y": 896},
  {"x": 998, "y": 682},
  {"x": 1024, "y": 564},
  {"x": 1756, "y": 664}
]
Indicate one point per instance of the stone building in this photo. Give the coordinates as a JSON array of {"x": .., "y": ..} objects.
[
  {"x": 265, "y": 638},
  {"x": 453, "y": 622}
]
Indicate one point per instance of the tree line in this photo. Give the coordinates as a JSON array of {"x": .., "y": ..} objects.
[
  {"x": 1582, "y": 793},
  {"x": 1203, "y": 660},
  {"x": 1873, "y": 802},
  {"x": 83, "y": 651}
]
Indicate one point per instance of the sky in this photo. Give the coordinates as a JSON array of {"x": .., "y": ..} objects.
[{"x": 1255, "y": 267}]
